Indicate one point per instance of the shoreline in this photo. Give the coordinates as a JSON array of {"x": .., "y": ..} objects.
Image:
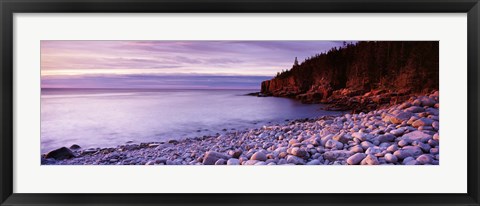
[{"x": 406, "y": 134}]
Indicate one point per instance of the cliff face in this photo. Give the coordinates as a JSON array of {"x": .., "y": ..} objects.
[{"x": 378, "y": 70}]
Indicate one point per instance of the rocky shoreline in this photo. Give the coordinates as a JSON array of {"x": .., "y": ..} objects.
[{"x": 402, "y": 134}]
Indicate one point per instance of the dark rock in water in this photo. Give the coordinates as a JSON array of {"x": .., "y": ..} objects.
[
  {"x": 172, "y": 141},
  {"x": 60, "y": 154},
  {"x": 75, "y": 146},
  {"x": 47, "y": 161}
]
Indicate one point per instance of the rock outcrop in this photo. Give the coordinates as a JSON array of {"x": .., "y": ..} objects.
[{"x": 361, "y": 76}]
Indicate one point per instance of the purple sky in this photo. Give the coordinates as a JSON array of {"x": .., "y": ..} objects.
[{"x": 170, "y": 64}]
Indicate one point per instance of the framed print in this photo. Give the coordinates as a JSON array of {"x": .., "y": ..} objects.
[{"x": 243, "y": 103}]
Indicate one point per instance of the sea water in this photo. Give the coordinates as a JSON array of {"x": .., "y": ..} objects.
[{"x": 111, "y": 117}]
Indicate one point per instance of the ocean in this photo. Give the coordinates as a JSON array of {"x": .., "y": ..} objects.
[{"x": 111, "y": 117}]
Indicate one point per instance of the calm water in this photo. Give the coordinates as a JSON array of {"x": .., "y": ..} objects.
[{"x": 106, "y": 118}]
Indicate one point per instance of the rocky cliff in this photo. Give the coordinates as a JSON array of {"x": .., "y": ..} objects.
[{"x": 361, "y": 76}]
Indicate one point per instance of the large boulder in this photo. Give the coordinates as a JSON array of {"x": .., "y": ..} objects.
[{"x": 60, "y": 154}]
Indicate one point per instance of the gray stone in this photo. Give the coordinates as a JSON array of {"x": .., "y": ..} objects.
[
  {"x": 371, "y": 160},
  {"x": 356, "y": 158},
  {"x": 356, "y": 149},
  {"x": 294, "y": 160},
  {"x": 424, "y": 159},
  {"x": 386, "y": 138},
  {"x": 251, "y": 162},
  {"x": 407, "y": 159},
  {"x": 416, "y": 136},
  {"x": 299, "y": 152},
  {"x": 314, "y": 162},
  {"x": 398, "y": 117},
  {"x": 333, "y": 144},
  {"x": 390, "y": 158},
  {"x": 336, "y": 155},
  {"x": 422, "y": 122},
  {"x": 211, "y": 157},
  {"x": 220, "y": 162},
  {"x": 412, "y": 162},
  {"x": 397, "y": 132},
  {"x": 260, "y": 156},
  {"x": 341, "y": 138},
  {"x": 414, "y": 109}
]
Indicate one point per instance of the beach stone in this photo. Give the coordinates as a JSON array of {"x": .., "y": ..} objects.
[
  {"x": 314, "y": 162},
  {"x": 407, "y": 159},
  {"x": 282, "y": 162},
  {"x": 337, "y": 155},
  {"x": 341, "y": 138},
  {"x": 235, "y": 153},
  {"x": 415, "y": 150},
  {"x": 293, "y": 141},
  {"x": 398, "y": 117},
  {"x": 260, "y": 156},
  {"x": 294, "y": 160},
  {"x": 233, "y": 161},
  {"x": 392, "y": 148},
  {"x": 211, "y": 157},
  {"x": 424, "y": 147},
  {"x": 260, "y": 163},
  {"x": 220, "y": 162},
  {"x": 404, "y": 142},
  {"x": 173, "y": 141},
  {"x": 161, "y": 160},
  {"x": 148, "y": 163},
  {"x": 356, "y": 158},
  {"x": 434, "y": 151},
  {"x": 428, "y": 102},
  {"x": 390, "y": 158},
  {"x": 251, "y": 162},
  {"x": 371, "y": 160},
  {"x": 414, "y": 109},
  {"x": 436, "y": 137},
  {"x": 436, "y": 125},
  {"x": 402, "y": 153},
  {"x": 416, "y": 136},
  {"x": 89, "y": 151},
  {"x": 432, "y": 142},
  {"x": 424, "y": 159},
  {"x": 386, "y": 138},
  {"x": 366, "y": 144},
  {"x": 299, "y": 152},
  {"x": 361, "y": 136},
  {"x": 412, "y": 162},
  {"x": 60, "y": 154},
  {"x": 75, "y": 147},
  {"x": 422, "y": 122},
  {"x": 153, "y": 145},
  {"x": 356, "y": 149},
  {"x": 333, "y": 144},
  {"x": 432, "y": 111},
  {"x": 405, "y": 105},
  {"x": 397, "y": 132}
]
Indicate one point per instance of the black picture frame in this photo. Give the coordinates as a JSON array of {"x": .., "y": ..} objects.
[{"x": 10, "y": 7}]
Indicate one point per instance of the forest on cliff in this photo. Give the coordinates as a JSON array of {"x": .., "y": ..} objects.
[{"x": 404, "y": 67}]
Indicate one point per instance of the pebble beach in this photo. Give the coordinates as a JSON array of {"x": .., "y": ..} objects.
[{"x": 401, "y": 134}]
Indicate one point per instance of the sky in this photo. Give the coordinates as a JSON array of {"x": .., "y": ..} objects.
[{"x": 170, "y": 64}]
